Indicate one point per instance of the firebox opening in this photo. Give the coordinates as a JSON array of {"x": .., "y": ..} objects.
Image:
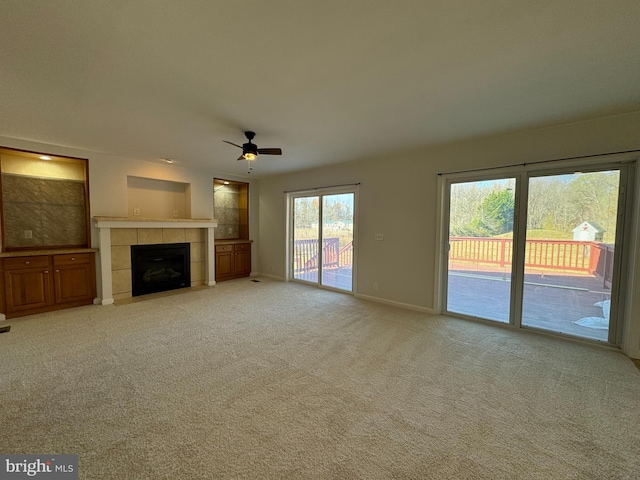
[{"x": 158, "y": 268}]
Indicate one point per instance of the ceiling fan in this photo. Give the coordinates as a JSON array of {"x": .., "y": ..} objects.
[{"x": 250, "y": 151}]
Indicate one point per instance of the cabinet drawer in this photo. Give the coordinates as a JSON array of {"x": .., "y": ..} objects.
[
  {"x": 224, "y": 248},
  {"x": 71, "y": 259},
  {"x": 16, "y": 263},
  {"x": 242, "y": 247}
]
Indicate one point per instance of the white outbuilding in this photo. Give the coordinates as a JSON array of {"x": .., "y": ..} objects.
[{"x": 588, "y": 232}]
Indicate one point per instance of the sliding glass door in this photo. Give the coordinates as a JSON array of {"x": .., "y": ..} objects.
[
  {"x": 481, "y": 248},
  {"x": 323, "y": 238},
  {"x": 538, "y": 250},
  {"x": 306, "y": 235},
  {"x": 570, "y": 245}
]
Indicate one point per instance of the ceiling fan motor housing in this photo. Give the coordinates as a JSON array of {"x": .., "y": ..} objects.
[{"x": 249, "y": 148}]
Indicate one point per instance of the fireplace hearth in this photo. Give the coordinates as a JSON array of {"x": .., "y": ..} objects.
[{"x": 158, "y": 268}]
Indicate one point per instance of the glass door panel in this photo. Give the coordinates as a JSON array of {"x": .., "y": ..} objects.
[
  {"x": 306, "y": 232},
  {"x": 481, "y": 248},
  {"x": 337, "y": 241},
  {"x": 570, "y": 242}
]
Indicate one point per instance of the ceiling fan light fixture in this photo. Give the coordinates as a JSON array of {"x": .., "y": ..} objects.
[{"x": 249, "y": 151}]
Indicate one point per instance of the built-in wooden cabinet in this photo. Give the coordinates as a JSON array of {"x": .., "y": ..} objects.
[
  {"x": 74, "y": 277},
  {"x": 27, "y": 282},
  {"x": 233, "y": 260},
  {"x": 39, "y": 283}
]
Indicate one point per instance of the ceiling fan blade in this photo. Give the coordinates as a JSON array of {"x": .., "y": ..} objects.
[
  {"x": 241, "y": 157},
  {"x": 231, "y": 143},
  {"x": 270, "y": 151}
]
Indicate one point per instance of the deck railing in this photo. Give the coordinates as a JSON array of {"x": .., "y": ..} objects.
[
  {"x": 587, "y": 257},
  {"x": 593, "y": 258},
  {"x": 306, "y": 254}
]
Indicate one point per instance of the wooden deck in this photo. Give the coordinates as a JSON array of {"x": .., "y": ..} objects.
[
  {"x": 340, "y": 278},
  {"x": 551, "y": 302}
]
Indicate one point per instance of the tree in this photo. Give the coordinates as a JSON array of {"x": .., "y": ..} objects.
[
  {"x": 465, "y": 201},
  {"x": 495, "y": 215},
  {"x": 305, "y": 212},
  {"x": 594, "y": 197}
]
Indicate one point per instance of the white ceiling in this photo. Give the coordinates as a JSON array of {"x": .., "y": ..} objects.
[{"x": 328, "y": 81}]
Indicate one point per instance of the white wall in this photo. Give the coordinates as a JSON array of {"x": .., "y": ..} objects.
[{"x": 398, "y": 199}]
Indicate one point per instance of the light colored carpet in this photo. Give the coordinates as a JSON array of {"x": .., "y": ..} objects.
[{"x": 272, "y": 380}]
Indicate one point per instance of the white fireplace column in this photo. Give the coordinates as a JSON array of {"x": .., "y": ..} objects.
[{"x": 105, "y": 224}]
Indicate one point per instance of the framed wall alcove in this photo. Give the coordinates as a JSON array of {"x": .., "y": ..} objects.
[
  {"x": 44, "y": 201},
  {"x": 231, "y": 209}
]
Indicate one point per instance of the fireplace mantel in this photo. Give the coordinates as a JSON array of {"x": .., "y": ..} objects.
[
  {"x": 128, "y": 222},
  {"x": 106, "y": 224}
]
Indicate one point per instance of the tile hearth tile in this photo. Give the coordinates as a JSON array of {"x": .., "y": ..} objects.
[
  {"x": 197, "y": 272},
  {"x": 121, "y": 281},
  {"x": 124, "y": 236},
  {"x": 120, "y": 257},
  {"x": 149, "y": 236},
  {"x": 194, "y": 235},
  {"x": 196, "y": 253},
  {"x": 173, "y": 235}
]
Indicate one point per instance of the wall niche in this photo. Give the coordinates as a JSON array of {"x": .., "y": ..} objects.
[
  {"x": 231, "y": 209},
  {"x": 45, "y": 200},
  {"x": 151, "y": 198}
]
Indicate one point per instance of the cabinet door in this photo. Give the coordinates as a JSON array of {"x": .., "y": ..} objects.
[
  {"x": 73, "y": 283},
  {"x": 27, "y": 288},
  {"x": 224, "y": 264},
  {"x": 243, "y": 259}
]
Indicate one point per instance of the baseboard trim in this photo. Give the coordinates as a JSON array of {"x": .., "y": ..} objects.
[
  {"x": 634, "y": 354},
  {"x": 406, "y": 306}
]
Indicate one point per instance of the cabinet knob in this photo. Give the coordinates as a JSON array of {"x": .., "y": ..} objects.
[
  {"x": 27, "y": 262},
  {"x": 73, "y": 259},
  {"x": 46, "y": 271},
  {"x": 57, "y": 270}
]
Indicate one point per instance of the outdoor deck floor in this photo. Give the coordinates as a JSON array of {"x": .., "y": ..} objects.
[
  {"x": 340, "y": 278},
  {"x": 551, "y": 302}
]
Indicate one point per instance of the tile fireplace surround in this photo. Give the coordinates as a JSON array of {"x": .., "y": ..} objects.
[{"x": 117, "y": 234}]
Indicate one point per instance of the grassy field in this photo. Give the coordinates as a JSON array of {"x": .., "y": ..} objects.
[
  {"x": 345, "y": 236},
  {"x": 542, "y": 235}
]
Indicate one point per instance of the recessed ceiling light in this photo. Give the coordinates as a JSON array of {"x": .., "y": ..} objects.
[
  {"x": 44, "y": 157},
  {"x": 169, "y": 160},
  {"x": 226, "y": 183}
]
